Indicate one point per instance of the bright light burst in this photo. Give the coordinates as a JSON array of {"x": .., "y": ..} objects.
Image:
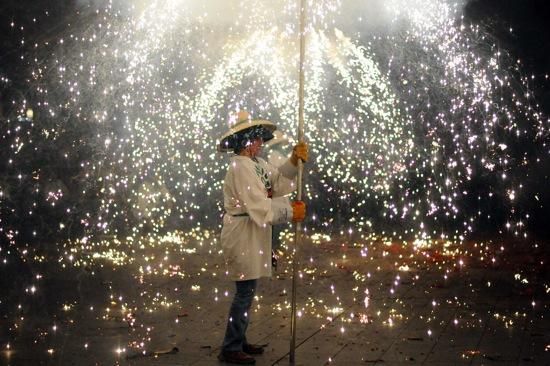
[{"x": 409, "y": 124}]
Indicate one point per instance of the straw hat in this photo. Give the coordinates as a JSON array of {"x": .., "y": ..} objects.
[
  {"x": 278, "y": 138},
  {"x": 241, "y": 122}
]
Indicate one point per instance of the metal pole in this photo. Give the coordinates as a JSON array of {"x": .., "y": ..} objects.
[{"x": 298, "y": 232}]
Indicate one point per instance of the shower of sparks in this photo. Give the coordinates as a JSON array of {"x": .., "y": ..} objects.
[
  {"x": 402, "y": 124},
  {"x": 415, "y": 132}
]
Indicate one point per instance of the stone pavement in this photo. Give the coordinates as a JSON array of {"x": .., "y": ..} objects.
[{"x": 360, "y": 301}]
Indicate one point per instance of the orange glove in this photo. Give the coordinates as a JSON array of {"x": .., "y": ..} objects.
[
  {"x": 298, "y": 211},
  {"x": 300, "y": 151}
]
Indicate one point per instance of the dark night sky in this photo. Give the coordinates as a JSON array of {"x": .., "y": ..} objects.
[{"x": 530, "y": 40}]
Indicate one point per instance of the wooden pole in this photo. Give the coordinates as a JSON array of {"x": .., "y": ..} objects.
[{"x": 298, "y": 231}]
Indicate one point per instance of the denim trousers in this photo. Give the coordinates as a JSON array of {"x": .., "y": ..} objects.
[{"x": 235, "y": 333}]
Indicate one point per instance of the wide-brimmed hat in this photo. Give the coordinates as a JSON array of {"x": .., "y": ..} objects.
[
  {"x": 243, "y": 123},
  {"x": 279, "y": 138}
]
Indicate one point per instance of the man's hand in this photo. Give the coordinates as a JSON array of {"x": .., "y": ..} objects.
[
  {"x": 298, "y": 211},
  {"x": 300, "y": 151}
]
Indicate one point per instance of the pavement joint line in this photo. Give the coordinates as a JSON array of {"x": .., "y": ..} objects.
[
  {"x": 429, "y": 353},
  {"x": 337, "y": 353},
  {"x": 410, "y": 289},
  {"x": 384, "y": 351},
  {"x": 308, "y": 338},
  {"x": 523, "y": 337},
  {"x": 478, "y": 344}
]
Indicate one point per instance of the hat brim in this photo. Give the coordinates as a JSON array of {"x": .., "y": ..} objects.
[
  {"x": 224, "y": 144},
  {"x": 279, "y": 138}
]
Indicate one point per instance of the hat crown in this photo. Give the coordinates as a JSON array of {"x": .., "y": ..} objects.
[{"x": 239, "y": 118}]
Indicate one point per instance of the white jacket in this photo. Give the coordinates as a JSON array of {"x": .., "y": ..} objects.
[
  {"x": 276, "y": 159},
  {"x": 250, "y": 212}
]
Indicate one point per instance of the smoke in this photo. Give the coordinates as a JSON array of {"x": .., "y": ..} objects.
[
  {"x": 92, "y": 4},
  {"x": 352, "y": 15},
  {"x": 364, "y": 17},
  {"x": 209, "y": 12},
  {"x": 375, "y": 16},
  {"x": 369, "y": 14}
]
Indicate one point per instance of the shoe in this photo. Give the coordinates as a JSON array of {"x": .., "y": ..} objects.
[
  {"x": 253, "y": 349},
  {"x": 236, "y": 357}
]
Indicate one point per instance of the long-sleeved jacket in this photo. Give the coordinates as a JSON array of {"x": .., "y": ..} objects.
[{"x": 254, "y": 200}]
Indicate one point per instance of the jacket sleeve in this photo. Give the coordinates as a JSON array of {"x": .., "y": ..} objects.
[
  {"x": 283, "y": 178},
  {"x": 253, "y": 198}
]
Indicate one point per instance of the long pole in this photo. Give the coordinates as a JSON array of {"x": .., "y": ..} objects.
[{"x": 298, "y": 232}]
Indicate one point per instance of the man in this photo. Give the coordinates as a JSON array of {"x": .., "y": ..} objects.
[{"x": 254, "y": 200}]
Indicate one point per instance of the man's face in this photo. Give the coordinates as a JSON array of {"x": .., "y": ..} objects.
[{"x": 255, "y": 147}]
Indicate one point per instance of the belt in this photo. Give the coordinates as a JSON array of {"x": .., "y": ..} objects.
[{"x": 240, "y": 215}]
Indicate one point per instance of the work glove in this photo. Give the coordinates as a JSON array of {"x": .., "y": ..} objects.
[
  {"x": 298, "y": 211},
  {"x": 300, "y": 151}
]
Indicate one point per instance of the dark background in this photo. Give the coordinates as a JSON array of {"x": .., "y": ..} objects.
[{"x": 529, "y": 42}]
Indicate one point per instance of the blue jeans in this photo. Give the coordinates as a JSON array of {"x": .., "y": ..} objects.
[{"x": 239, "y": 316}]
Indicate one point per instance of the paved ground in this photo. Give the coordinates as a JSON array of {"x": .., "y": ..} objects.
[{"x": 361, "y": 301}]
